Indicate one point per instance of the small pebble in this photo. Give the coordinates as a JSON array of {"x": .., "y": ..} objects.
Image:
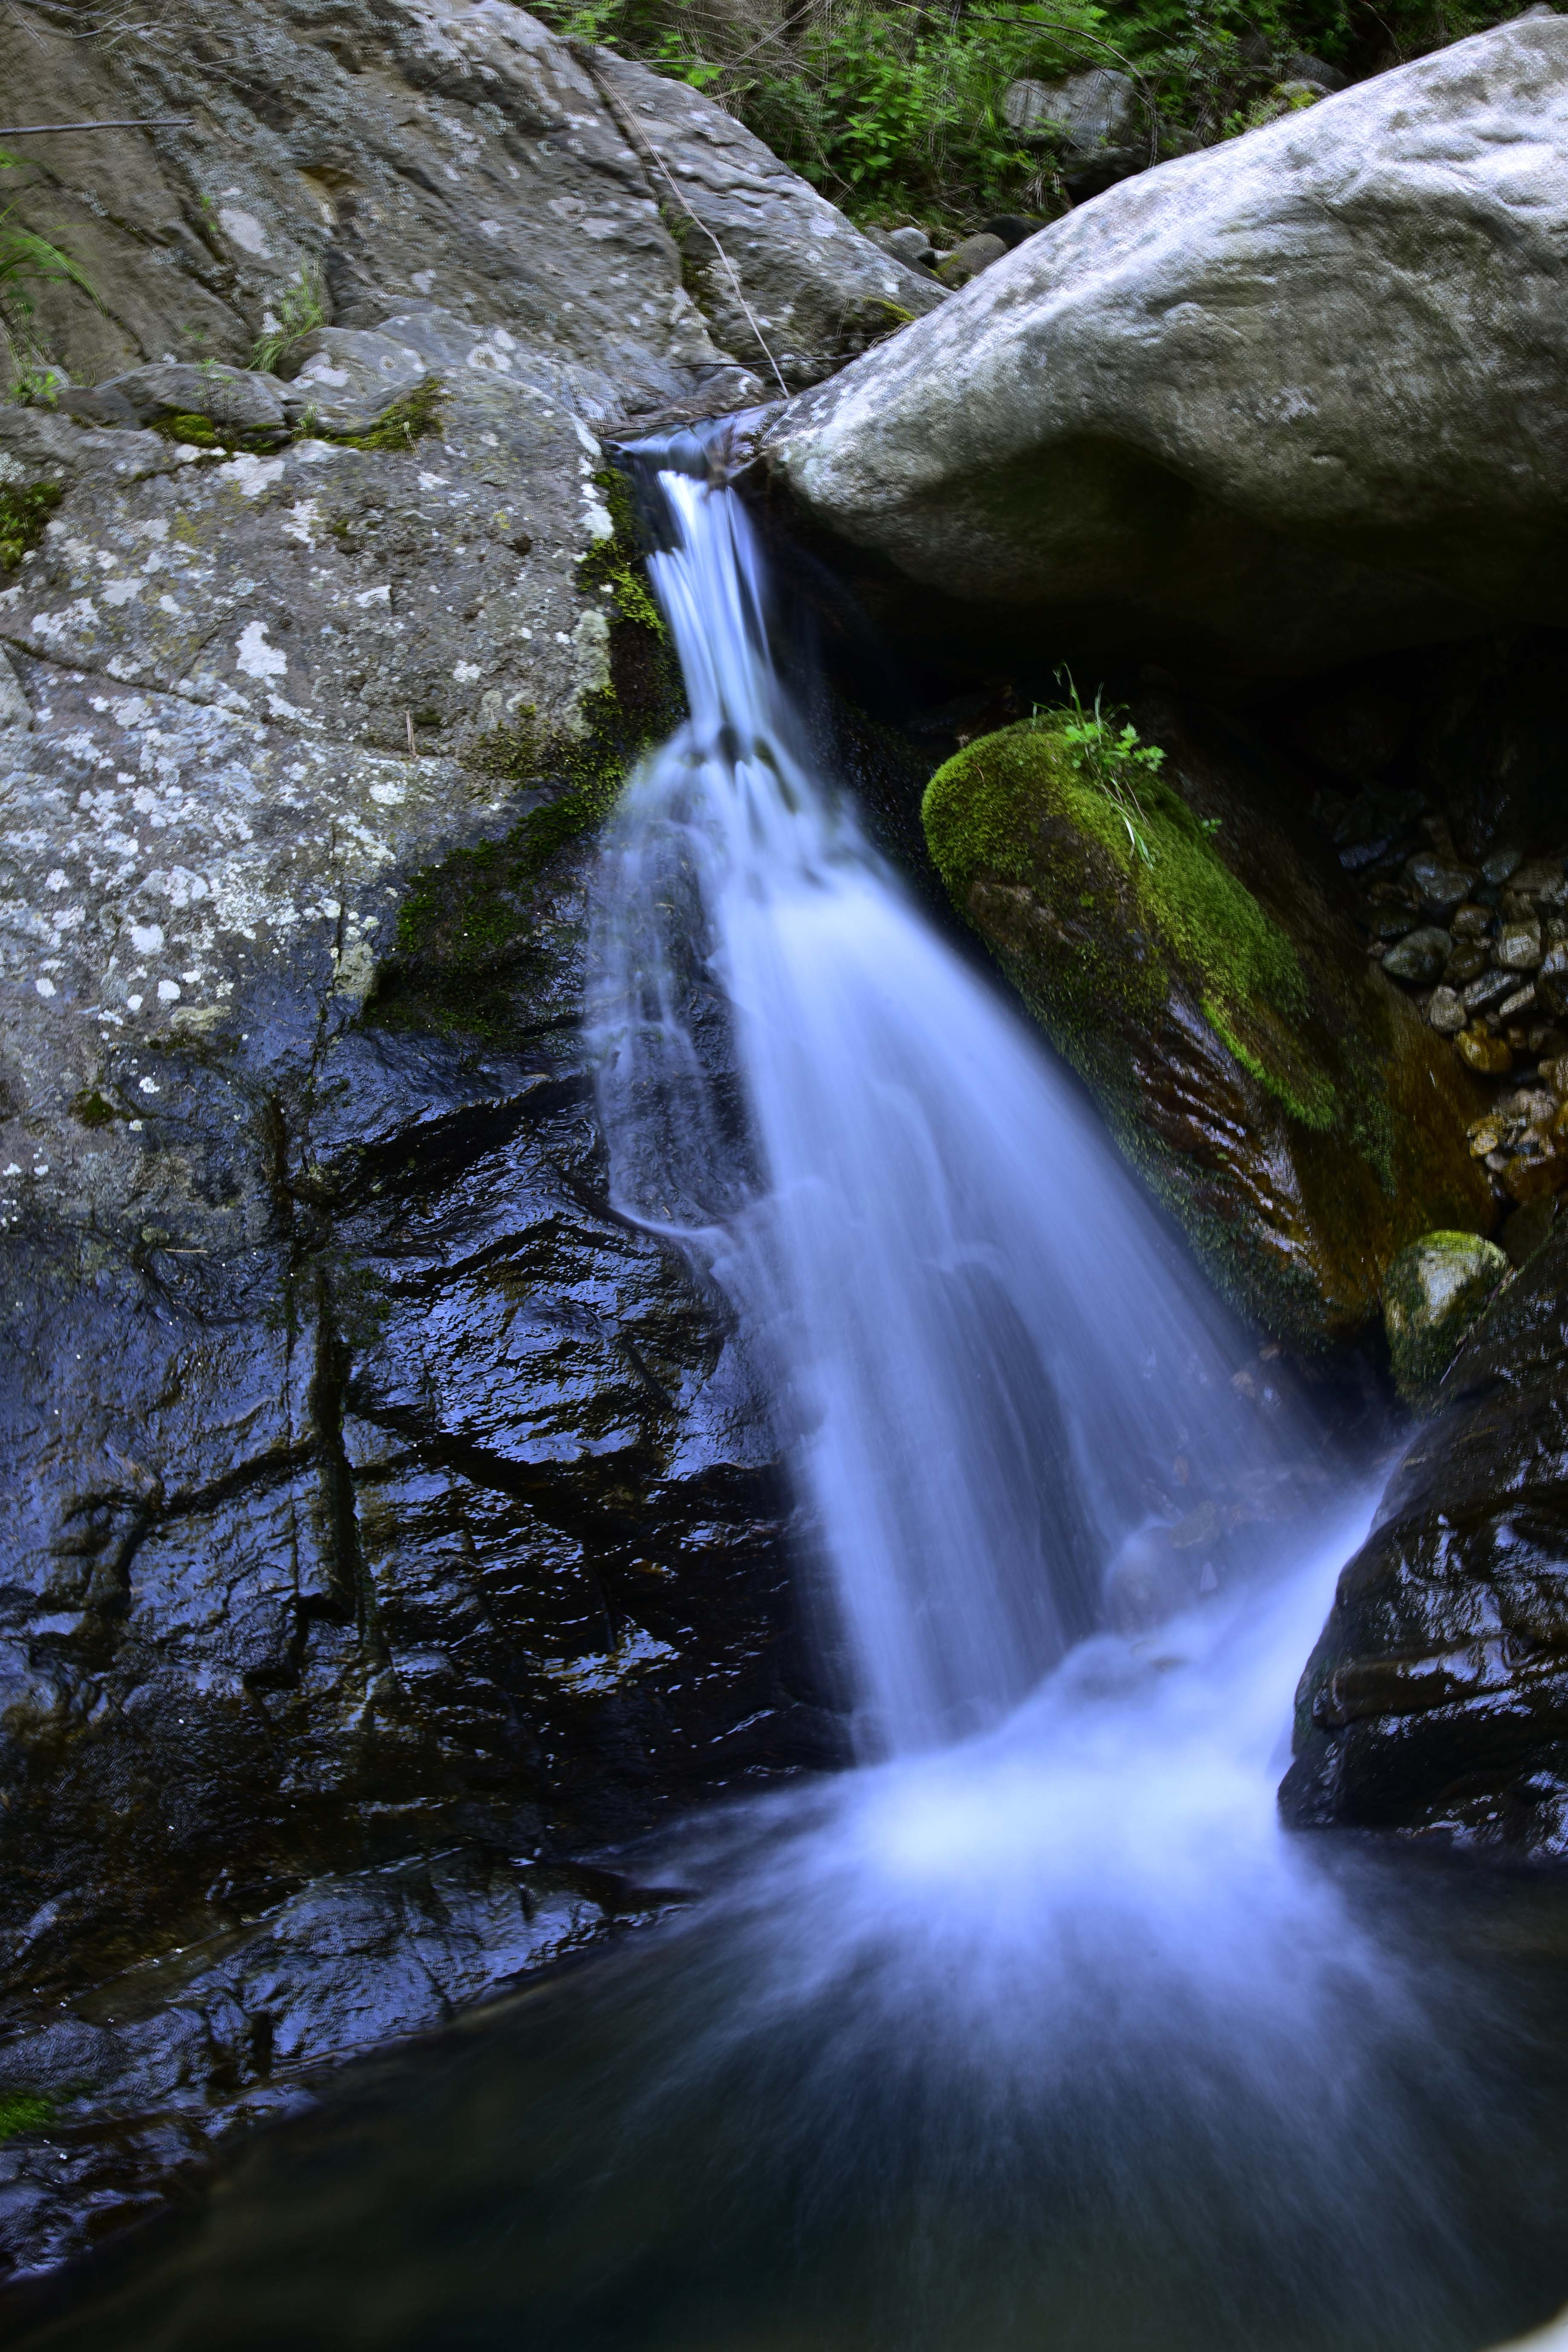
[
  {"x": 1445, "y": 1013},
  {"x": 1518, "y": 946},
  {"x": 1492, "y": 1056},
  {"x": 1473, "y": 923},
  {"x": 1421, "y": 957},
  {"x": 1438, "y": 882}
]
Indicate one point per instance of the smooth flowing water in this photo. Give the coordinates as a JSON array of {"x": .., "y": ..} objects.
[
  {"x": 1034, "y": 2034},
  {"x": 988, "y": 1358}
]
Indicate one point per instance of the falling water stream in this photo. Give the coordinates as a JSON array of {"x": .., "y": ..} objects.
[{"x": 1034, "y": 2032}]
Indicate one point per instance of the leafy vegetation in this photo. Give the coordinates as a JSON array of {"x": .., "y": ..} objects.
[
  {"x": 302, "y": 307},
  {"x": 28, "y": 259},
  {"x": 893, "y": 108}
]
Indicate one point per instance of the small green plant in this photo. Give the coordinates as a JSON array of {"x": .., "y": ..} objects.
[
  {"x": 23, "y": 2112},
  {"x": 28, "y": 259},
  {"x": 1113, "y": 757},
  {"x": 23, "y": 512},
  {"x": 398, "y": 427},
  {"x": 302, "y": 307}
]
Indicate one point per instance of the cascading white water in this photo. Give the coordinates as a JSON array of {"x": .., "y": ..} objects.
[{"x": 991, "y": 1361}]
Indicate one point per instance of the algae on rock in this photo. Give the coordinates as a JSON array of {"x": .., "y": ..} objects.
[
  {"x": 1436, "y": 1290},
  {"x": 1281, "y": 1099}
]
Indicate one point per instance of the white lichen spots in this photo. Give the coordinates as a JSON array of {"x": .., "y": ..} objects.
[
  {"x": 251, "y": 475},
  {"x": 52, "y": 626},
  {"x": 56, "y": 878},
  {"x": 382, "y": 595},
  {"x": 168, "y": 991},
  {"x": 149, "y": 1086},
  {"x": 596, "y": 519},
  {"x": 434, "y": 481},
  {"x": 255, "y": 656},
  {"x": 300, "y": 520},
  {"x": 122, "y": 591},
  {"x": 167, "y": 604},
  {"x": 45, "y": 986},
  {"x": 134, "y": 1003},
  {"x": 388, "y": 795},
  {"x": 465, "y": 671},
  {"x": 245, "y": 230}
]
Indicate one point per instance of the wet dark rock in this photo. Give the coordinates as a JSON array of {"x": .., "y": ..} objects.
[
  {"x": 1438, "y": 882},
  {"x": 1446, "y": 1011},
  {"x": 135, "y": 2084},
  {"x": 1420, "y": 956},
  {"x": 1517, "y": 947},
  {"x": 1282, "y": 1095},
  {"x": 1437, "y": 1698}
]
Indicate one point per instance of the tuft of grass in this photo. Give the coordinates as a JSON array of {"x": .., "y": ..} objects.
[
  {"x": 23, "y": 513},
  {"x": 302, "y": 307}
]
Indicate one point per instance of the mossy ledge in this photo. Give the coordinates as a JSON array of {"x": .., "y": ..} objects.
[
  {"x": 982, "y": 814},
  {"x": 24, "y": 512},
  {"x": 1287, "y": 1107}
]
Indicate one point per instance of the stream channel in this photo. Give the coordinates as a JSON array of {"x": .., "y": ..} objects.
[{"x": 1033, "y": 2030}]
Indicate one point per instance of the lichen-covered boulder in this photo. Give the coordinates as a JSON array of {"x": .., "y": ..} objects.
[
  {"x": 336, "y": 172},
  {"x": 1437, "y": 1698},
  {"x": 1182, "y": 952},
  {"x": 1433, "y": 1292},
  {"x": 1274, "y": 406}
]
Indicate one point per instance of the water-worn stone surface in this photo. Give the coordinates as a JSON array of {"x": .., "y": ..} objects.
[
  {"x": 125, "y": 2093},
  {"x": 1436, "y": 1699},
  {"x": 372, "y": 1488},
  {"x": 1273, "y": 405},
  {"x": 1187, "y": 954}
]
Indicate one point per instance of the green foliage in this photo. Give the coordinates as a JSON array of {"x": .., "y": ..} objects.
[
  {"x": 28, "y": 259},
  {"x": 893, "y": 107},
  {"x": 22, "y": 515},
  {"x": 21, "y": 2111},
  {"x": 302, "y": 307},
  {"x": 1111, "y": 759}
]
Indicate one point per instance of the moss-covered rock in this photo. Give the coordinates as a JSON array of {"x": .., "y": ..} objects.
[
  {"x": 1180, "y": 949},
  {"x": 1435, "y": 1291}
]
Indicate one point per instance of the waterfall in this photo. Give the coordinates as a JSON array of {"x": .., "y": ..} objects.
[{"x": 999, "y": 1378}]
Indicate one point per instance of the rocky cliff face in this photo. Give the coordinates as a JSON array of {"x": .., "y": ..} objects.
[{"x": 373, "y": 1491}]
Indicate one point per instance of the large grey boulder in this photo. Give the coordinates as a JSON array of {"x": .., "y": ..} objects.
[
  {"x": 1280, "y": 404},
  {"x": 408, "y": 151}
]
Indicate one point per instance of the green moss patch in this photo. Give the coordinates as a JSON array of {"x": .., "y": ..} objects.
[
  {"x": 407, "y": 421},
  {"x": 983, "y": 813},
  {"x": 24, "y": 2112},
  {"x": 23, "y": 512}
]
